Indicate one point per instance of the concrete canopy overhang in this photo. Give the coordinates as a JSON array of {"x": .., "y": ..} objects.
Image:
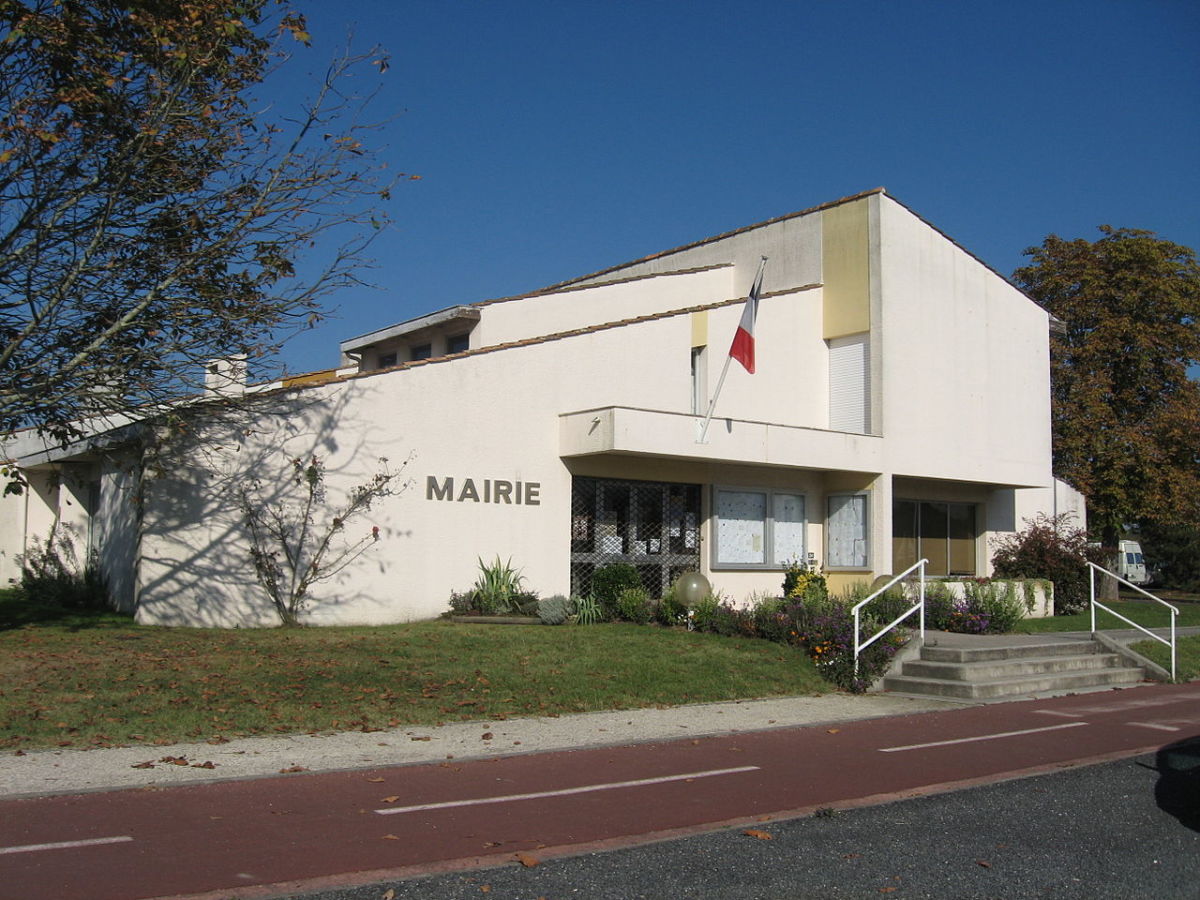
[
  {"x": 643, "y": 432},
  {"x": 450, "y": 315}
]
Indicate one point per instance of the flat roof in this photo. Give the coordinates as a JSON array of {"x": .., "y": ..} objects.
[{"x": 450, "y": 314}]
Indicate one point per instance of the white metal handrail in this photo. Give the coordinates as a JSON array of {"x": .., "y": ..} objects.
[
  {"x": 1092, "y": 570},
  {"x": 919, "y": 605}
]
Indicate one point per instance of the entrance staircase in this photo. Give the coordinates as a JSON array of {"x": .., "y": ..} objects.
[{"x": 972, "y": 667}]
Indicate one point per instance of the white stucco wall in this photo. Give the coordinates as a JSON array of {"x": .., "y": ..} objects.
[
  {"x": 965, "y": 358},
  {"x": 544, "y": 314}
]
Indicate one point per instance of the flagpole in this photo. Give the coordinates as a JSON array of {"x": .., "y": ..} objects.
[
  {"x": 728, "y": 358},
  {"x": 713, "y": 404}
]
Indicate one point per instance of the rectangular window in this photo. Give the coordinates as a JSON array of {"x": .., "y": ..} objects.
[
  {"x": 846, "y": 532},
  {"x": 653, "y": 526},
  {"x": 757, "y": 528},
  {"x": 850, "y": 384},
  {"x": 699, "y": 382},
  {"x": 458, "y": 343},
  {"x": 941, "y": 532},
  {"x": 421, "y": 351},
  {"x": 387, "y": 360}
]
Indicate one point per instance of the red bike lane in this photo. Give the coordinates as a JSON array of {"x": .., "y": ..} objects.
[{"x": 251, "y": 837}]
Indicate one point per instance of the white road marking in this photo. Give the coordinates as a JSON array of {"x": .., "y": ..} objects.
[
  {"x": 982, "y": 737},
  {"x": 1056, "y": 712},
  {"x": 565, "y": 792},
  {"x": 1155, "y": 726},
  {"x": 65, "y": 845},
  {"x": 1126, "y": 704}
]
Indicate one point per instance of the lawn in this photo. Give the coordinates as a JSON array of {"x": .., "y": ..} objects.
[
  {"x": 1145, "y": 612},
  {"x": 94, "y": 680}
]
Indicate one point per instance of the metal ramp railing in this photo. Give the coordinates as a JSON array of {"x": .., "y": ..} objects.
[
  {"x": 1092, "y": 570},
  {"x": 860, "y": 645}
]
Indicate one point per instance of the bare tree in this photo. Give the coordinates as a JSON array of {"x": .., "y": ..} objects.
[{"x": 152, "y": 215}]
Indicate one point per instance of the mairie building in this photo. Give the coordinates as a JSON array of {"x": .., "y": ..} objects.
[{"x": 899, "y": 410}]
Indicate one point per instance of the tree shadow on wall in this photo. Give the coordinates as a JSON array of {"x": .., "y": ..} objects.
[{"x": 196, "y": 561}]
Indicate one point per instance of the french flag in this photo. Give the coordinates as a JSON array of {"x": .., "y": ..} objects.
[{"x": 742, "y": 348}]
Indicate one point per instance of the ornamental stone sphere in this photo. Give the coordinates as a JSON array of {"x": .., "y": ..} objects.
[{"x": 691, "y": 588}]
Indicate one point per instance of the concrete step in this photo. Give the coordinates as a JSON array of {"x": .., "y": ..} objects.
[
  {"x": 1017, "y": 667},
  {"x": 979, "y": 654},
  {"x": 997, "y": 672},
  {"x": 1009, "y": 688}
]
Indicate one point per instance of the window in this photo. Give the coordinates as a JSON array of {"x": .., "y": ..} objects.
[
  {"x": 422, "y": 351},
  {"x": 654, "y": 526},
  {"x": 850, "y": 384},
  {"x": 458, "y": 343},
  {"x": 943, "y": 533},
  {"x": 757, "y": 528},
  {"x": 387, "y": 360},
  {"x": 846, "y": 532},
  {"x": 699, "y": 382}
]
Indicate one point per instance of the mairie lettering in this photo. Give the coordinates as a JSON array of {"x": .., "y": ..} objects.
[{"x": 484, "y": 490}]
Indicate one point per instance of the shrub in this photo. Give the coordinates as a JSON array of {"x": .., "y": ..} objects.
[
  {"x": 826, "y": 628},
  {"x": 998, "y": 602},
  {"x": 555, "y": 610},
  {"x": 802, "y": 582},
  {"x": 499, "y": 589},
  {"x": 608, "y": 582},
  {"x": 633, "y": 605},
  {"x": 670, "y": 610},
  {"x": 1049, "y": 548},
  {"x": 587, "y": 611},
  {"x": 704, "y": 613},
  {"x": 51, "y": 575}
]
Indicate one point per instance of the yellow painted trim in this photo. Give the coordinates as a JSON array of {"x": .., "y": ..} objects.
[
  {"x": 845, "y": 264},
  {"x": 700, "y": 328}
]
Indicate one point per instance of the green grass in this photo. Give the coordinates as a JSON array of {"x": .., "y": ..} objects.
[
  {"x": 1145, "y": 612},
  {"x": 91, "y": 680},
  {"x": 1187, "y": 656}
]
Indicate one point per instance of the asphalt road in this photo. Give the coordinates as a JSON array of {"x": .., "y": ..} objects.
[{"x": 1091, "y": 832}]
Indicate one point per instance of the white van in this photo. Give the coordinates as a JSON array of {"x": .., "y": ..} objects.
[{"x": 1132, "y": 565}]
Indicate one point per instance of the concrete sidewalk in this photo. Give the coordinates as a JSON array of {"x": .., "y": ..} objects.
[{"x": 148, "y": 766}]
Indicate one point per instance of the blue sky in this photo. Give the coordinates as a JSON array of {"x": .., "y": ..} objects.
[{"x": 558, "y": 138}]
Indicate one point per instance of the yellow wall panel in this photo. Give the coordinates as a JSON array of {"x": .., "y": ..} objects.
[{"x": 845, "y": 269}]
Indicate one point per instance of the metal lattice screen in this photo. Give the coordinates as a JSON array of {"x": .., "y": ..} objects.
[{"x": 652, "y": 525}]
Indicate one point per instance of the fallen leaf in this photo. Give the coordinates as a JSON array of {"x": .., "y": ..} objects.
[
  {"x": 487, "y": 736},
  {"x": 756, "y": 833},
  {"x": 204, "y": 765},
  {"x": 390, "y": 837},
  {"x": 851, "y": 855},
  {"x": 143, "y": 765},
  {"x": 389, "y": 894},
  {"x": 528, "y": 861},
  {"x": 291, "y": 769},
  {"x": 984, "y": 863},
  {"x": 175, "y": 760},
  {"x": 888, "y": 890},
  {"x": 391, "y": 799},
  {"x": 832, "y": 730},
  {"x": 423, "y": 737},
  {"x": 485, "y": 889},
  {"x": 375, "y": 780}
]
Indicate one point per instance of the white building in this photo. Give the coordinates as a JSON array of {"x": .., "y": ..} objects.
[{"x": 900, "y": 408}]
